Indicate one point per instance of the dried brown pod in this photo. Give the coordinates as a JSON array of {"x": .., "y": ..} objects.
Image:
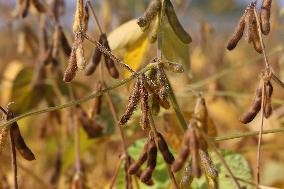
[
  {"x": 112, "y": 70},
  {"x": 151, "y": 12},
  {"x": 183, "y": 154},
  {"x": 194, "y": 148},
  {"x": 20, "y": 144},
  {"x": 265, "y": 16},
  {"x": 149, "y": 182},
  {"x": 238, "y": 33},
  {"x": 146, "y": 175},
  {"x": 175, "y": 24},
  {"x": 132, "y": 104},
  {"x": 145, "y": 117},
  {"x": 201, "y": 114},
  {"x": 90, "y": 126},
  {"x": 64, "y": 43},
  {"x": 25, "y": 8},
  {"x": 252, "y": 31},
  {"x": 187, "y": 177},
  {"x": 97, "y": 106},
  {"x": 80, "y": 53},
  {"x": 38, "y": 6},
  {"x": 164, "y": 149},
  {"x": 72, "y": 68},
  {"x": 155, "y": 108},
  {"x": 91, "y": 68},
  {"x": 79, "y": 16},
  {"x": 254, "y": 108},
  {"x": 135, "y": 166},
  {"x": 152, "y": 153},
  {"x": 267, "y": 103}
]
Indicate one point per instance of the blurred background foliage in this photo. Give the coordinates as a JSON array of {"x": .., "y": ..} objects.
[{"x": 227, "y": 79}]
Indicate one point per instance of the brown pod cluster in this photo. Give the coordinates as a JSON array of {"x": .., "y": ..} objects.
[
  {"x": 255, "y": 107},
  {"x": 90, "y": 126},
  {"x": 151, "y": 161},
  {"x": 148, "y": 154},
  {"x": 139, "y": 92},
  {"x": 152, "y": 10},
  {"x": 164, "y": 149},
  {"x": 265, "y": 16},
  {"x": 20, "y": 144},
  {"x": 132, "y": 104},
  {"x": 247, "y": 24},
  {"x": 157, "y": 85}
]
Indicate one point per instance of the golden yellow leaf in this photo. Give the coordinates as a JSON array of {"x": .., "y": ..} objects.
[
  {"x": 134, "y": 55},
  {"x": 125, "y": 36}
]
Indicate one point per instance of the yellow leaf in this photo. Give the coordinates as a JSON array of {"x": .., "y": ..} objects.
[
  {"x": 134, "y": 55},
  {"x": 125, "y": 35}
]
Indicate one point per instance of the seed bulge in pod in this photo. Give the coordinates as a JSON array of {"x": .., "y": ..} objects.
[
  {"x": 187, "y": 178},
  {"x": 145, "y": 118},
  {"x": 267, "y": 103},
  {"x": 163, "y": 147},
  {"x": 146, "y": 175},
  {"x": 255, "y": 107},
  {"x": 135, "y": 166},
  {"x": 152, "y": 154},
  {"x": 238, "y": 33},
  {"x": 72, "y": 68}
]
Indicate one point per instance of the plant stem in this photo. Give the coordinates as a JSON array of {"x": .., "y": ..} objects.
[
  {"x": 79, "y": 101},
  {"x": 121, "y": 159},
  {"x": 108, "y": 53},
  {"x": 95, "y": 16},
  {"x": 14, "y": 160}
]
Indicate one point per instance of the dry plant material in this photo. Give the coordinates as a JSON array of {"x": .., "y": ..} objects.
[
  {"x": 255, "y": 107},
  {"x": 110, "y": 64},
  {"x": 265, "y": 16},
  {"x": 136, "y": 165},
  {"x": 38, "y": 6},
  {"x": 175, "y": 24},
  {"x": 90, "y": 126},
  {"x": 195, "y": 145},
  {"x": 151, "y": 160},
  {"x": 171, "y": 66},
  {"x": 20, "y": 144},
  {"x": 25, "y": 8},
  {"x": 151, "y": 12},
  {"x": 208, "y": 169},
  {"x": 132, "y": 103},
  {"x": 72, "y": 68},
  {"x": 164, "y": 149},
  {"x": 97, "y": 105},
  {"x": 145, "y": 117},
  {"x": 3, "y": 138},
  {"x": 64, "y": 42},
  {"x": 247, "y": 24}
]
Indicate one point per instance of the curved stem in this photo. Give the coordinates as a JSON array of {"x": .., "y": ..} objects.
[{"x": 76, "y": 102}]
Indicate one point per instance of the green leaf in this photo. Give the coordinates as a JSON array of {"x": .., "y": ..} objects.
[{"x": 237, "y": 163}]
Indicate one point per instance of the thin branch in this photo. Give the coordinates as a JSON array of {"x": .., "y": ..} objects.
[
  {"x": 77, "y": 102},
  {"x": 14, "y": 160},
  {"x": 108, "y": 53},
  {"x": 263, "y": 98},
  {"x": 95, "y": 16},
  {"x": 247, "y": 134},
  {"x": 116, "y": 171},
  {"x": 277, "y": 80}
]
